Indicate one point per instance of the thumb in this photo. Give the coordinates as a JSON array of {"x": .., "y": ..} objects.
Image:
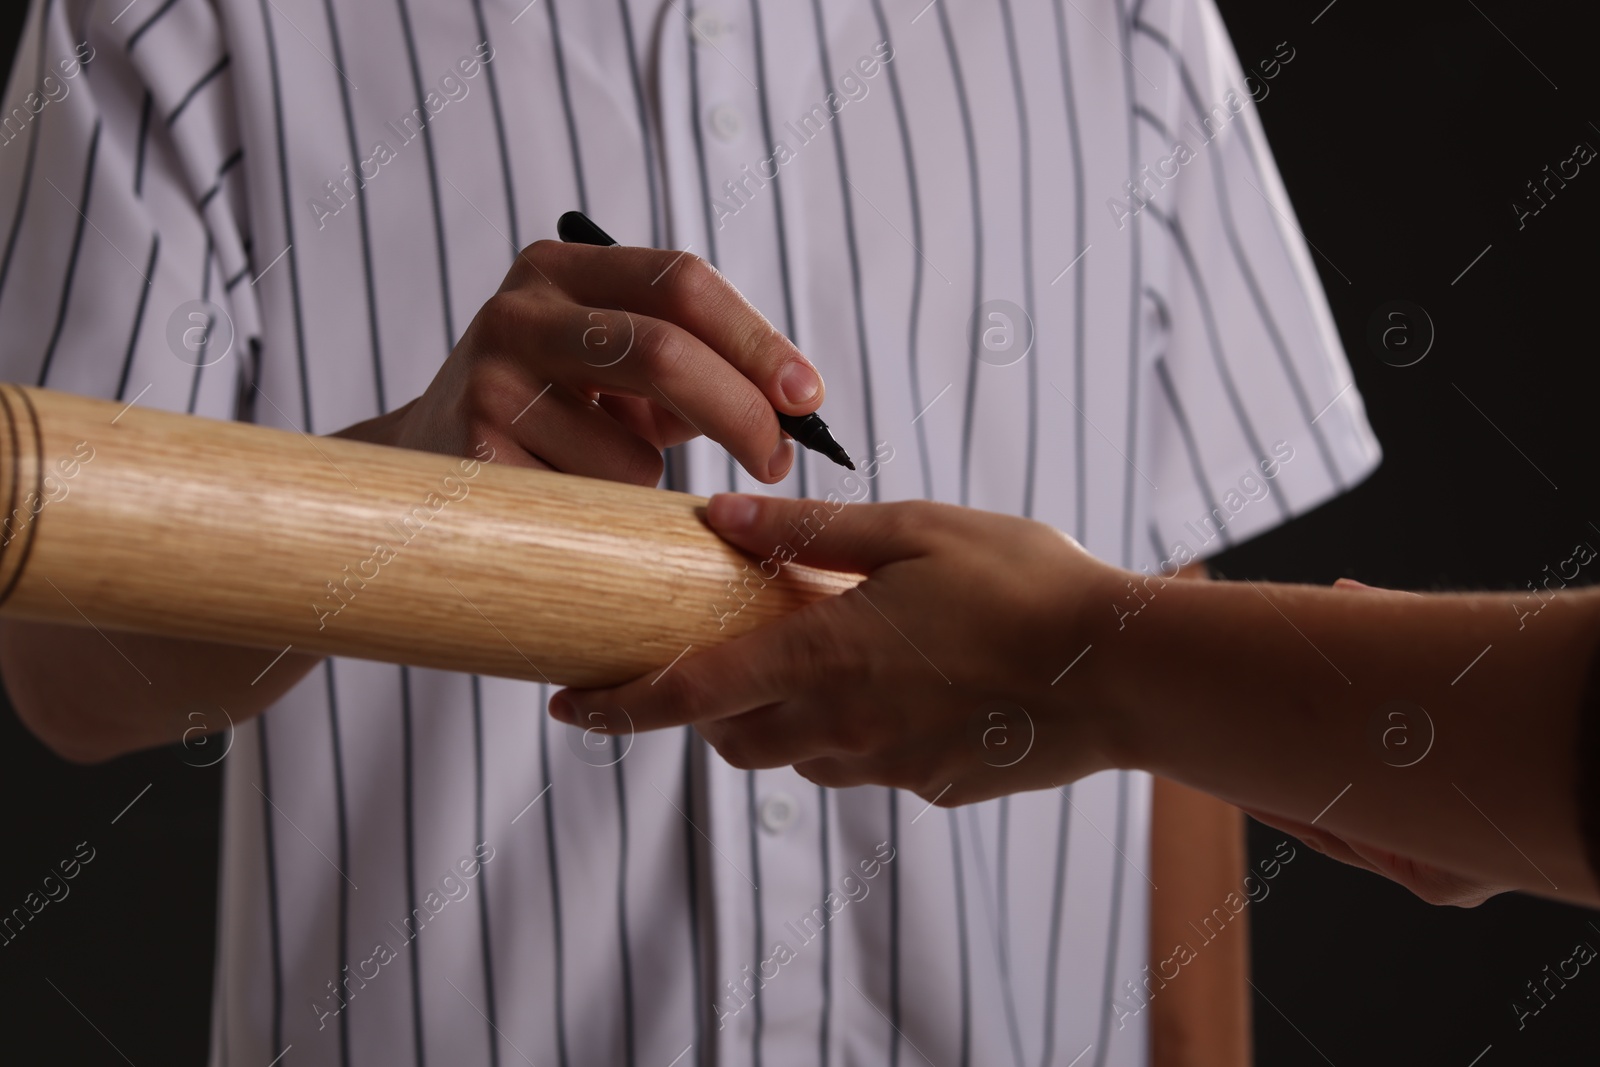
[{"x": 846, "y": 537}]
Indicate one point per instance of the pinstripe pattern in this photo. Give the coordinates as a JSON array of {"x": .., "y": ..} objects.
[
  {"x": 893, "y": 1039},
  {"x": 1190, "y": 448},
  {"x": 782, "y": 231},
  {"x": 409, "y": 858},
  {"x": 852, "y": 243},
  {"x": 207, "y": 269},
  {"x": 41, "y": 18},
  {"x": 1079, "y": 200},
  {"x": 557, "y": 928},
  {"x": 1246, "y": 272},
  {"x": 1058, "y": 898},
  {"x": 205, "y": 79},
  {"x": 695, "y": 124},
  {"x": 558, "y": 53},
  {"x": 291, "y": 264},
  {"x": 825, "y": 1017},
  {"x": 757, "y": 942},
  {"x": 622, "y": 914},
  {"x": 1119, "y": 874},
  {"x": 144, "y": 142},
  {"x": 963, "y": 951},
  {"x": 273, "y": 918},
  {"x": 1025, "y": 173},
  {"x": 1173, "y": 226},
  {"x": 976, "y": 164},
  {"x": 144, "y": 27},
  {"x": 975, "y": 192},
  {"x": 489, "y": 1012},
  {"x": 138, "y": 317},
  {"x": 344, "y": 847},
  {"x": 646, "y": 133},
  {"x": 706, "y": 195},
  {"x": 361, "y": 205},
  {"x": 914, "y": 203},
  {"x": 433, "y": 170},
  {"x": 493, "y": 83},
  {"x": 82, "y": 206},
  {"x": 1135, "y": 284},
  {"x": 222, "y": 172},
  {"x": 1002, "y": 892},
  {"x": 691, "y": 852}
]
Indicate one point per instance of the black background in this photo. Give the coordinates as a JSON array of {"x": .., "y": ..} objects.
[{"x": 1404, "y": 133}]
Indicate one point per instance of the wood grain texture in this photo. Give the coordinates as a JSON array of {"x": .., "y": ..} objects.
[{"x": 143, "y": 520}]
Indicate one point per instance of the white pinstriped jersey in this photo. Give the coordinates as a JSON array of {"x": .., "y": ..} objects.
[{"x": 419, "y": 866}]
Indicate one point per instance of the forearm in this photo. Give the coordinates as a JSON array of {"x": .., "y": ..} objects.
[
  {"x": 93, "y": 695},
  {"x": 1276, "y": 698}
]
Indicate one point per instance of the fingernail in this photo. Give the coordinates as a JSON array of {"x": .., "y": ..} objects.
[
  {"x": 561, "y": 709},
  {"x": 782, "y": 456},
  {"x": 799, "y": 382},
  {"x": 732, "y": 511}
]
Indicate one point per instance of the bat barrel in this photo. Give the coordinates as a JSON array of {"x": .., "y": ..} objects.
[{"x": 142, "y": 520}]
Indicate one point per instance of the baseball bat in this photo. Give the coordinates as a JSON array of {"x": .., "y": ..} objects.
[{"x": 135, "y": 519}]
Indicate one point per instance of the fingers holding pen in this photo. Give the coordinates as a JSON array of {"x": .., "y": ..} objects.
[
  {"x": 491, "y": 405},
  {"x": 686, "y": 290},
  {"x": 605, "y": 351},
  {"x": 589, "y": 356}
]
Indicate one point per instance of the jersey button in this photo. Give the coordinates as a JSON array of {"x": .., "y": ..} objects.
[
  {"x": 778, "y": 812},
  {"x": 725, "y": 122},
  {"x": 709, "y": 27}
]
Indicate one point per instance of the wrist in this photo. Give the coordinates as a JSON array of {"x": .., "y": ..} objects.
[
  {"x": 1155, "y": 674},
  {"x": 1094, "y": 690}
]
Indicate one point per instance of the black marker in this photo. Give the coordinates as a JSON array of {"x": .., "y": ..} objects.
[{"x": 577, "y": 228}]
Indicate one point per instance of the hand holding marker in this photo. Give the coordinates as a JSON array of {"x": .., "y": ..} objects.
[{"x": 809, "y": 430}]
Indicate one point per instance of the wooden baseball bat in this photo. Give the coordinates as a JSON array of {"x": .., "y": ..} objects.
[{"x": 129, "y": 518}]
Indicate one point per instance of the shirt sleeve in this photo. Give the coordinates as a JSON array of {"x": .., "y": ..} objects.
[
  {"x": 1253, "y": 412},
  {"x": 124, "y": 272}
]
